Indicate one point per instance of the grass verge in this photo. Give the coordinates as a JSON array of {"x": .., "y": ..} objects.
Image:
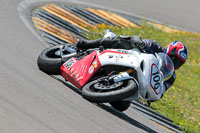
[{"x": 181, "y": 103}]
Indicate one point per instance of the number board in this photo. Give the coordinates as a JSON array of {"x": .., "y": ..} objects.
[
  {"x": 155, "y": 79},
  {"x": 69, "y": 63}
]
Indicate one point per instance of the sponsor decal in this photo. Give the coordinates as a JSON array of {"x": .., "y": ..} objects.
[
  {"x": 76, "y": 76},
  {"x": 116, "y": 60},
  {"x": 110, "y": 56},
  {"x": 71, "y": 71},
  {"x": 118, "y": 56},
  {"x": 123, "y": 51},
  {"x": 95, "y": 64},
  {"x": 91, "y": 69},
  {"x": 81, "y": 77}
]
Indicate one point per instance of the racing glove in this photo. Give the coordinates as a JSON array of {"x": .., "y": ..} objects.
[
  {"x": 153, "y": 46},
  {"x": 141, "y": 44},
  {"x": 136, "y": 42},
  {"x": 149, "y": 46}
]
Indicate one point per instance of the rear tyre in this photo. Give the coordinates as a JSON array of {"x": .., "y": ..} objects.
[
  {"x": 120, "y": 105},
  {"x": 49, "y": 60},
  {"x": 123, "y": 90}
]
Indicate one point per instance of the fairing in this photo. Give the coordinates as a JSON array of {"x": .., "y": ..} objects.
[
  {"x": 78, "y": 72},
  {"x": 149, "y": 77}
]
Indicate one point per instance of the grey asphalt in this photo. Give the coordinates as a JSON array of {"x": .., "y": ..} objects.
[
  {"x": 33, "y": 102},
  {"x": 184, "y": 14}
]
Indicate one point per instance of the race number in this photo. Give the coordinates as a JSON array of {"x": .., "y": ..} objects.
[
  {"x": 155, "y": 79},
  {"x": 69, "y": 63}
]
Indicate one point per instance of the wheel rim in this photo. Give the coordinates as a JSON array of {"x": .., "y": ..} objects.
[
  {"x": 53, "y": 53},
  {"x": 107, "y": 86}
]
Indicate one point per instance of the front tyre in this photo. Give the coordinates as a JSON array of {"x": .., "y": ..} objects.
[{"x": 99, "y": 92}]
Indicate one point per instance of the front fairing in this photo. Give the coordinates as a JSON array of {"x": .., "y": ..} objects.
[{"x": 150, "y": 78}]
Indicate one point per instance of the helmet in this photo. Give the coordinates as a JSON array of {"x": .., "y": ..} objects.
[{"x": 178, "y": 52}]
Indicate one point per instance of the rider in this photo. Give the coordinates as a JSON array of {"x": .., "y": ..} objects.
[{"x": 176, "y": 50}]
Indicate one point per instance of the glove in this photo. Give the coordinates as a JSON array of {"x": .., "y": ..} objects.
[
  {"x": 141, "y": 44},
  {"x": 147, "y": 46},
  {"x": 136, "y": 41}
]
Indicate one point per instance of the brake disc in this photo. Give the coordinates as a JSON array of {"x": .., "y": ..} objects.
[{"x": 103, "y": 86}]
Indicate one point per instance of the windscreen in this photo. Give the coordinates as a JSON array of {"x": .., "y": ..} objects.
[{"x": 166, "y": 65}]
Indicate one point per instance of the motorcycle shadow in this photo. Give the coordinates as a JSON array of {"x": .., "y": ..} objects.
[
  {"x": 125, "y": 117},
  {"x": 109, "y": 109}
]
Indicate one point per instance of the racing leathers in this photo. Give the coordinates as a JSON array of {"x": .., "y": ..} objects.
[{"x": 127, "y": 42}]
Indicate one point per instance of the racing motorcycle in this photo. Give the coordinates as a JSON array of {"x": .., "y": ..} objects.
[{"x": 103, "y": 75}]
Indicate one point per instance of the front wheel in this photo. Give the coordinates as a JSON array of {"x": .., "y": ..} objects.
[{"x": 100, "y": 91}]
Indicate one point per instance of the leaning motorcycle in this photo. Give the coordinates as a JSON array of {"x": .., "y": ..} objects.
[{"x": 103, "y": 75}]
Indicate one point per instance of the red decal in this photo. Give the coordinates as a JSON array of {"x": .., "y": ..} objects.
[{"x": 110, "y": 51}]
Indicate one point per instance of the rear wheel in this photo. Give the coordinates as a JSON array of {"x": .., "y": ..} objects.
[
  {"x": 49, "y": 60},
  {"x": 102, "y": 91}
]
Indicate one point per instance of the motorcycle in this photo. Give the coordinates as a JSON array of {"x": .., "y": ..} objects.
[{"x": 103, "y": 75}]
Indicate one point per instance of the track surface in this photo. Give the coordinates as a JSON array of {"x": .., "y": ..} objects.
[
  {"x": 181, "y": 13},
  {"x": 31, "y": 101}
]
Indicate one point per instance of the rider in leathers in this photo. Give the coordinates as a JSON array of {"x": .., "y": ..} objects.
[{"x": 110, "y": 40}]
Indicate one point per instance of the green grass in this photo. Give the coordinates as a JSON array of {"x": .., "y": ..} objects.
[{"x": 181, "y": 103}]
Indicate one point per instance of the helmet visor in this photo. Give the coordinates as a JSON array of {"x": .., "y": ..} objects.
[{"x": 177, "y": 62}]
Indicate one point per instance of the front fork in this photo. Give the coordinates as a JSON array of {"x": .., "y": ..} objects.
[
  {"x": 65, "y": 57},
  {"x": 123, "y": 76}
]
